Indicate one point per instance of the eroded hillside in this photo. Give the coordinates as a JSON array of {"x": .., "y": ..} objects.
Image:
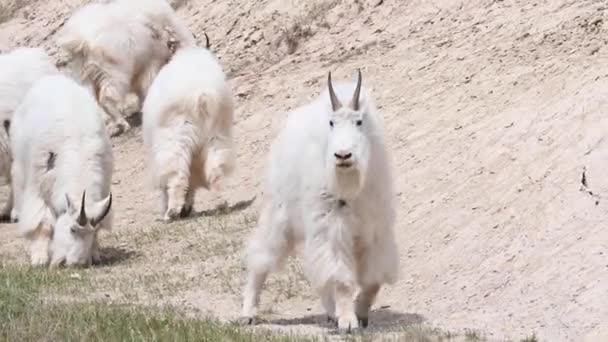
[{"x": 493, "y": 109}]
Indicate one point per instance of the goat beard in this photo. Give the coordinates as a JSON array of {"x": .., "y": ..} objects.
[{"x": 346, "y": 184}]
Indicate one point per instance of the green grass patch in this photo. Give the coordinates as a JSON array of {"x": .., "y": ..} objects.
[{"x": 26, "y": 315}]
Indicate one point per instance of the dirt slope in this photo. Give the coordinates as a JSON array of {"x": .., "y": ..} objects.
[{"x": 493, "y": 110}]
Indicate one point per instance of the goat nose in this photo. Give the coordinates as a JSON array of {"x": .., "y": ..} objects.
[{"x": 343, "y": 156}]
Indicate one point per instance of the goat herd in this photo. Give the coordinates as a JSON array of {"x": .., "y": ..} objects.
[{"x": 328, "y": 183}]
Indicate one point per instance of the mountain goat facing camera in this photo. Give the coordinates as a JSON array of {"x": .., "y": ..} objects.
[
  {"x": 328, "y": 187},
  {"x": 62, "y": 156},
  {"x": 19, "y": 69},
  {"x": 187, "y": 129}
]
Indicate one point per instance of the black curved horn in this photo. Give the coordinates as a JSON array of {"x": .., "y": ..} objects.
[
  {"x": 106, "y": 210},
  {"x": 207, "y": 41},
  {"x": 335, "y": 103},
  {"x": 354, "y": 104},
  {"x": 82, "y": 217}
]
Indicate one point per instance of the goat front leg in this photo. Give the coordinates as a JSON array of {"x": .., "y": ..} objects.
[
  {"x": 187, "y": 209},
  {"x": 345, "y": 308},
  {"x": 5, "y": 215},
  {"x": 329, "y": 301},
  {"x": 177, "y": 189},
  {"x": 39, "y": 246},
  {"x": 364, "y": 301},
  {"x": 268, "y": 250},
  {"x": 95, "y": 255}
]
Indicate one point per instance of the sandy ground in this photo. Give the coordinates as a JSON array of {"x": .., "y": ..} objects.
[{"x": 493, "y": 110}]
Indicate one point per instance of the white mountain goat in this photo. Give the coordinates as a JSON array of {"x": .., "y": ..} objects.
[
  {"x": 61, "y": 151},
  {"x": 19, "y": 69},
  {"x": 328, "y": 187},
  {"x": 117, "y": 48},
  {"x": 187, "y": 129}
]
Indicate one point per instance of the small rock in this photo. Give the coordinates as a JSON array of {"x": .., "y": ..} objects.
[{"x": 75, "y": 276}]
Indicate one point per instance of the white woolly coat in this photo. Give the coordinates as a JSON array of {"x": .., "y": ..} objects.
[
  {"x": 122, "y": 40},
  {"x": 59, "y": 116},
  {"x": 353, "y": 244},
  {"x": 188, "y": 118},
  {"x": 19, "y": 69}
]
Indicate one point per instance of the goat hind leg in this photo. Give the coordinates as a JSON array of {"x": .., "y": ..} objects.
[{"x": 111, "y": 99}]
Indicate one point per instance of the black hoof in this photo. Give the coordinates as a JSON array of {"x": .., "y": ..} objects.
[
  {"x": 186, "y": 211},
  {"x": 246, "y": 321},
  {"x": 363, "y": 322}
]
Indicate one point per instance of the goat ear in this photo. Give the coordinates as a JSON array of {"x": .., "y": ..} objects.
[
  {"x": 105, "y": 205},
  {"x": 335, "y": 103},
  {"x": 54, "y": 212},
  {"x": 69, "y": 204},
  {"x": 354, "y": 103}
]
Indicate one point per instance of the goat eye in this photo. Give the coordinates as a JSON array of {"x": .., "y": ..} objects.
[
  {"x": 359, "y": 122},
  {"x": 73, "y": 230},
  {"x": 331, "y": 123}
]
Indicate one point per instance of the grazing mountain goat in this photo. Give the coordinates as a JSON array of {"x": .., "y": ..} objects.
[
  {"x": 117, "y": 48},
  {"x": 62, "y": 155},
  {"x": 328, "y": 187},
  {"x": 19, "y": 69},
  {"x": 187, "y": 129}
]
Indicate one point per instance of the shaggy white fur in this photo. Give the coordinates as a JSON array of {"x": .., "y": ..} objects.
[
  {"x": 117, "y": 48},
  {"x": 187, "y": 127},
  {"x": 61, "y": 150},
  {"x": 329, "y": 188},
  {"x": 19, "y": 69}
]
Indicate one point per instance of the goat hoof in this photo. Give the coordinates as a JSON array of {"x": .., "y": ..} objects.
[
  {"x": 39, "y": 260},
  {"x": 5, "y": 218},
  {"x": 186, "y": 211},
  {"x": 115, "y": 131},
  {"x": 173, "y": 214},
  {"x": 363, "y": 322},
  {"x": 347, "y": 324},
  {"x": 247, "y": 320}
]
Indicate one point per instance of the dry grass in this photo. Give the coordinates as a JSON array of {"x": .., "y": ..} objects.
[{"x": 303, "y": 27}]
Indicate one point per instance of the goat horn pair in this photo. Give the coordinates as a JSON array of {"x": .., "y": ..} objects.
[{"x": 354, "y": 103}]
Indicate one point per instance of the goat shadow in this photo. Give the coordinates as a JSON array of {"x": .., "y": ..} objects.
[
  {"x": 113, "y": 255},
  {"x": 380, "y": 320},
  {"x": 225, "y": 209}
]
